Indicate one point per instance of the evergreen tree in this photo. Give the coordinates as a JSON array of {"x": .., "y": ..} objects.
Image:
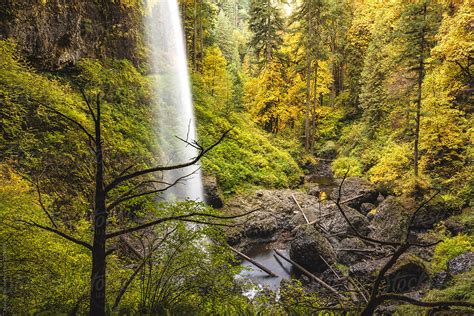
[
  {"x": 266, "y": 23},
  {"x": 418, "y": 25},
  {"x": 310, "y": 20}
]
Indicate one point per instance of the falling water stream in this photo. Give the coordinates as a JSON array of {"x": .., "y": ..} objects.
[{"x": 173, "y": 101}]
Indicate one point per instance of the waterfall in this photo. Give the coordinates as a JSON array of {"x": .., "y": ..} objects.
[{"x": 172, "y": 96}]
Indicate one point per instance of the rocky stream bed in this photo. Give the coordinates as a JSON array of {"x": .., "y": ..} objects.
[{"x": 322, "y": 242}]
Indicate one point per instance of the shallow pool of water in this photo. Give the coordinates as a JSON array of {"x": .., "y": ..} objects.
[{"x": 267, "y": 257}]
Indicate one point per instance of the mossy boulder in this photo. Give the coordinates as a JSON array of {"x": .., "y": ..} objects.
[{"x": 309, "y": 247}]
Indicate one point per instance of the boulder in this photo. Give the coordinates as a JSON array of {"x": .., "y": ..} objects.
[
  {"x": 260, "y": 225},
  {"x": 406, "y": 277},
  {"x": 441, "y": 280},
  {"x": 350, "y": 257},
  {"x": 455, "y": 227},
  {"x": 366, "y": 271},
  {"x": 461, "y": 263},
  {"x": 391, "y": 220},
  {"x": 336, "y": 223},
  {"x": 428, "y": 216},
  {"x": 356, "y": 187},
  {"x": 307, "y": 248},
  {"x": 212, "y": 192}
]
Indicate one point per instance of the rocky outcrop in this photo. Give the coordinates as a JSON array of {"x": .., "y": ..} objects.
[
  {"x": 391, "y": 220},
  {"x": 406, "y": 277},
  {"x": 336, "y": 224},
  {"x": 309, "y": 247},
  {"x": 54, "y": 34},
  {"x": 356, "y": 187},
  {"x": 212, "y": 192},
  {"x": 461, "y": 263}
]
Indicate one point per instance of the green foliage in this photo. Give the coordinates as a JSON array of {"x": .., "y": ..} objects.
[
  {"x": 461, "y": 289},
  {"x": 42, "y": 272},
  {"x": 247, "y": 157},
  {"x": 267, "y": 25},
  {"x": 449, "y": 249},
  {"x": 342, "y": 164}
]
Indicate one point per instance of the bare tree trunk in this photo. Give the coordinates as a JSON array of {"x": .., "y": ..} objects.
[{"x": 97, "y": 294}]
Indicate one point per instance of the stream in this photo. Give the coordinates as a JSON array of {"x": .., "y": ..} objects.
[{"x": 263, "y": 253}]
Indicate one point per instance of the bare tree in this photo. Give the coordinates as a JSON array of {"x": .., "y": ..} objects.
[
  {"x": 103, "y": 207},
  {"x": 376, "y": 297}
]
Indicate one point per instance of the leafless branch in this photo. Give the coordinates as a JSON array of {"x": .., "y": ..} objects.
[
  {"x": 59, "y": 233},
  {"x": 134, "y": 196},
  {"x": 88, "y": 104},
  {"x": 132, "y": 175},
  {"x": 403, "y": 298},
  {"x": 184, "y": 217},
  {"x": 81, "y": 127}
]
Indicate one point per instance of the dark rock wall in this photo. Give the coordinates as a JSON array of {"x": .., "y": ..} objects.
[{"x": 54, "y": 34}]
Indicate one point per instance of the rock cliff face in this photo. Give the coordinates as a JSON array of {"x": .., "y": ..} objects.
[{"x": 54, "y": 34}]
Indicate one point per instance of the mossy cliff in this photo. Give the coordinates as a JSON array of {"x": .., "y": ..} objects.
[{"x": 53, "y": 34}]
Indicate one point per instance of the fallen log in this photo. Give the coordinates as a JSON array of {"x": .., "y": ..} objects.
[
  {"x": 309, "y": 274},
  {"x": 356, "y": 250},
  {"x": 281, "y": 264},
  {"x": 299, "y": 206},
  {"x": 255, "y": 263}
]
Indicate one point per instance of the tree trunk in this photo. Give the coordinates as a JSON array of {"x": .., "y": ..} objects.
[
  {"x": 315, "y": 105},
  {"x": 307, "y": 127},
  {"x": 195, "y": 35},
  {"x": 418, "y": 98},
  {"x": 97, "y": 294}
]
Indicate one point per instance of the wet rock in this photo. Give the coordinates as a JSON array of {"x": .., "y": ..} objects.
[
  {"x": 336, "y": 224},
  {"x": 390, "y": 222},
  {"x": 428, "y": 216},
  {"x": 461, "y": 263},
  {"x": 55, "y": 34},
  {"x": 441, "y": 280},
  {"x": 307, "y": 248},
  {"x": 455, "y": 227},
  {"x": 365, "y": 271},
  {"x": 353, "y": 187},
  {"x": 365, "y": 208},
  {"x": 260, "y": 225},
  {"x": 350, "y": 257},
  {"x": 212, "y": 192},
  {"x": 406, "y": 277}
]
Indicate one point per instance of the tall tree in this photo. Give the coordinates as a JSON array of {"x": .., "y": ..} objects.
[
  {"x": 310, "y": 20},
  {"x": 267, "y": 25},
  {"x": 418, "y": 25}
]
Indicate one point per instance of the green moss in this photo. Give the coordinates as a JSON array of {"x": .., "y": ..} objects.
[{"x": 449, "y": 249}]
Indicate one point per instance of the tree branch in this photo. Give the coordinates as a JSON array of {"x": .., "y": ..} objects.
[
  {"x": 88, "y": 104},
  {"x": 132, "y": 175},
  {"x": 403, "y": 298},
  {"x": 126, "y": 197},
  {"x": 185, "y": 217},
  {"x": 59, "y": 233},
  {"x": 81, "y": 127}
]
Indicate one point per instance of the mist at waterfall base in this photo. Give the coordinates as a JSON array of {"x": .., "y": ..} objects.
[{"x": 174, "y": 114}]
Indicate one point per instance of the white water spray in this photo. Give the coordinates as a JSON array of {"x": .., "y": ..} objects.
[{"x": 174, "y": 107}]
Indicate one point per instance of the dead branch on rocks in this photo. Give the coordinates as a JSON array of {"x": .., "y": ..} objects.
[{"x": 376, "y": 299}]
